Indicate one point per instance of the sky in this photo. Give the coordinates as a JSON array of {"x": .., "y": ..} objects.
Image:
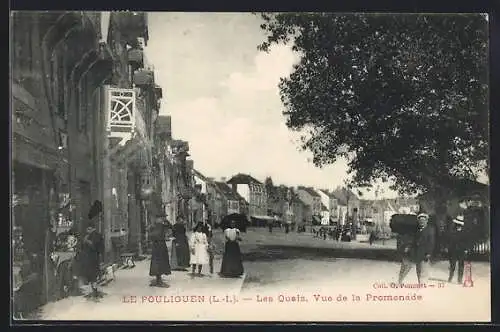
[{"x": 223, "y": 97}]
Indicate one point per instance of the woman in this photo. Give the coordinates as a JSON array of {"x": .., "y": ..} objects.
[
  {"x": 232, "y": 266},
  {"x": 199, "y": 249},
  {"x": 90, "y": 256},
  {"x": 90, "y": 250},
  {"x": 160, "y": 264},
  {"x": 180, "y": 247}
]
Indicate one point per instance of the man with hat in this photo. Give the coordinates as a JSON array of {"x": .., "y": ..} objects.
[
  {"x": 457, "y": 248},
  {"x": 419, "y": 250}
]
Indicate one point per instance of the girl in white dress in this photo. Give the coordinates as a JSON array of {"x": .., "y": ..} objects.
[{"x": 199, "y": 249}]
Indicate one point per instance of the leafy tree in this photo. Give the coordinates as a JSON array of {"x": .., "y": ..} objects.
[{"x": 401, "y": 97}]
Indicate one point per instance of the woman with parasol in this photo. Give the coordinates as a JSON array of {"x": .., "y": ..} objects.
[{"x": 232, "y": 266}]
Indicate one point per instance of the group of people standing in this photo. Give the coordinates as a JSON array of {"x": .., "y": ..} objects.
[
  {"x": 195, "y": 251},
  {"x": 459, "y": 237}
]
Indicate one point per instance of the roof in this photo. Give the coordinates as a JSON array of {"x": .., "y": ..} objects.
[
  {"x": 229, "y": 193},
  {"x": 201, "y": 176},
  {"x": 310, "y": 191},
  {"x": 343, "y": 195},
  {"x": 241, "y": 178}
]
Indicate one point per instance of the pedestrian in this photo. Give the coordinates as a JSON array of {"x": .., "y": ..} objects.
[
  {"x": 457, "y": 248},
  {"x": 211, "y": 245},
  {"x": 232, "y": 265},
  {"x": 91, "y": 251},
  {"x": 199, "y": 249},
  {"x": 418, "y": 250},
  {"x": 372, "y": 237},
  {"x": 270, "y": 225},
  {"x": 160, "y": 263},
  {"x": 180, "y": 247}
]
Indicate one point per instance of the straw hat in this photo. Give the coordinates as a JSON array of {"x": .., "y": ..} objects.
[{"x": 459, "y": 220}]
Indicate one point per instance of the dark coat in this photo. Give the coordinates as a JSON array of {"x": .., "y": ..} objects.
[
  {"x": 160, "y": 263},
  {"x": 457, "y": 243},
  {"x": 180, "y": 247},
  {"x": 424, "y": 243},
  {"x": 92, "y": 248}
]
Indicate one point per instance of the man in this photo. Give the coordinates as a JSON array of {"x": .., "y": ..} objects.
[
  {"x": 418, "y": 250},
  {"x": 457, "y": 248}
]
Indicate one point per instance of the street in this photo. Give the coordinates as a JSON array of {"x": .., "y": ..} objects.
[{"x": 289, "y": 277}]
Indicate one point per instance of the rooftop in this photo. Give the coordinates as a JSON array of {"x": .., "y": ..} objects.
[
  {"x": 227, "y": 191},
  {"x": 310, "y": 191},
  {"x": 241, "y": 178}
]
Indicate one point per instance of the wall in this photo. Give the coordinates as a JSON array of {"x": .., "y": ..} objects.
[{"x": 244, "y": 191}]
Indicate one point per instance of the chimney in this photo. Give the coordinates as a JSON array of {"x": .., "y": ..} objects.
[
  {"x": 211, "y": 179},
  {"x": 223, "y": 179}
]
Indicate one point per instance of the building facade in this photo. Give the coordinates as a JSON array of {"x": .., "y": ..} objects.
[
  {"x": 312, "y": 199},
  {"x": 253, "y": 191},
  {"x": 66, "y": 67}
]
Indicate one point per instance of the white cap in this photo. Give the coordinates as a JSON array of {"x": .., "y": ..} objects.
[{"x": 423, "y": 215}]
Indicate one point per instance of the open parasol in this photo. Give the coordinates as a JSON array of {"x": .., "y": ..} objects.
[{"x": 241, "y": 221}]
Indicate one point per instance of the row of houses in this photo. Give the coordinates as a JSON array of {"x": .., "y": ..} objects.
[
  {"x": 243, "y": 193},
  {"x": 86, "y": 126}
]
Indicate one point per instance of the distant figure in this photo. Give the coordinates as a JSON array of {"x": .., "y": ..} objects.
[
  {"x": 160, "y": 263},
  {"x": 199, "y": 249},
  {"x": 372, "y": 237},
  {"x": 180, "y": 247},
  {"x": 457, "y": 248},
  {"x": 270, "y": 225},
  {"x": 232, "y": 266},
  {"x": 418, "y": 250}
]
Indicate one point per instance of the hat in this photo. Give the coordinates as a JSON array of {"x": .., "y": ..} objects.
[
  {"x": 423, "y": 215},
  {"x": 95, "y": 209},
  {"x": 459, "y": 220}
]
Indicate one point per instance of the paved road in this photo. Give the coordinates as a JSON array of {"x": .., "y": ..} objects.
[
  {"x": 288, "y": 266},
  {"x": 289, "y": 277}
]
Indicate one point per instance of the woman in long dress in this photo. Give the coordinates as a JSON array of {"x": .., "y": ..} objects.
[
  {"x": 160, "y": 264},
  {"x": 232, "y": 266},
  {"x": 199, "y": 249},
  {"x": 180, "y": 247}
]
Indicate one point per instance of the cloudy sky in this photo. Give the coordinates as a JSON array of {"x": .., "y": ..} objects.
[{"x": 223, "y": 98}]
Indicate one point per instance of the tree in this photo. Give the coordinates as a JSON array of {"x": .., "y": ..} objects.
[{"x": 401, "y": 97}]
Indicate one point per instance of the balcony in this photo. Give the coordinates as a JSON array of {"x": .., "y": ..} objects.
[
  {"x": 136, "y": 58},
  {"x": 143, "y": 78}
]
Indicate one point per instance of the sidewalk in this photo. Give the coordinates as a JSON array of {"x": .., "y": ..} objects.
[{"x": 131, "y": 288}]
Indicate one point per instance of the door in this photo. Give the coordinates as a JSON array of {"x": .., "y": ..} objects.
[{"x": 83, "y": 205}]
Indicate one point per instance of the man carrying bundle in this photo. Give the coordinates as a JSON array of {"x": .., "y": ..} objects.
[{"x": 416, "y": 248}]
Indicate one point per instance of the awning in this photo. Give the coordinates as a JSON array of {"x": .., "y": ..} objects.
[{"x": 263, "y": 217}]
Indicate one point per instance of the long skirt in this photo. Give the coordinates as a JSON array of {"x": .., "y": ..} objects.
[
  {"x": 232, "y": 266},
  {"x": 180, "y": 254},
  {"x": 160, "y": 263}
]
